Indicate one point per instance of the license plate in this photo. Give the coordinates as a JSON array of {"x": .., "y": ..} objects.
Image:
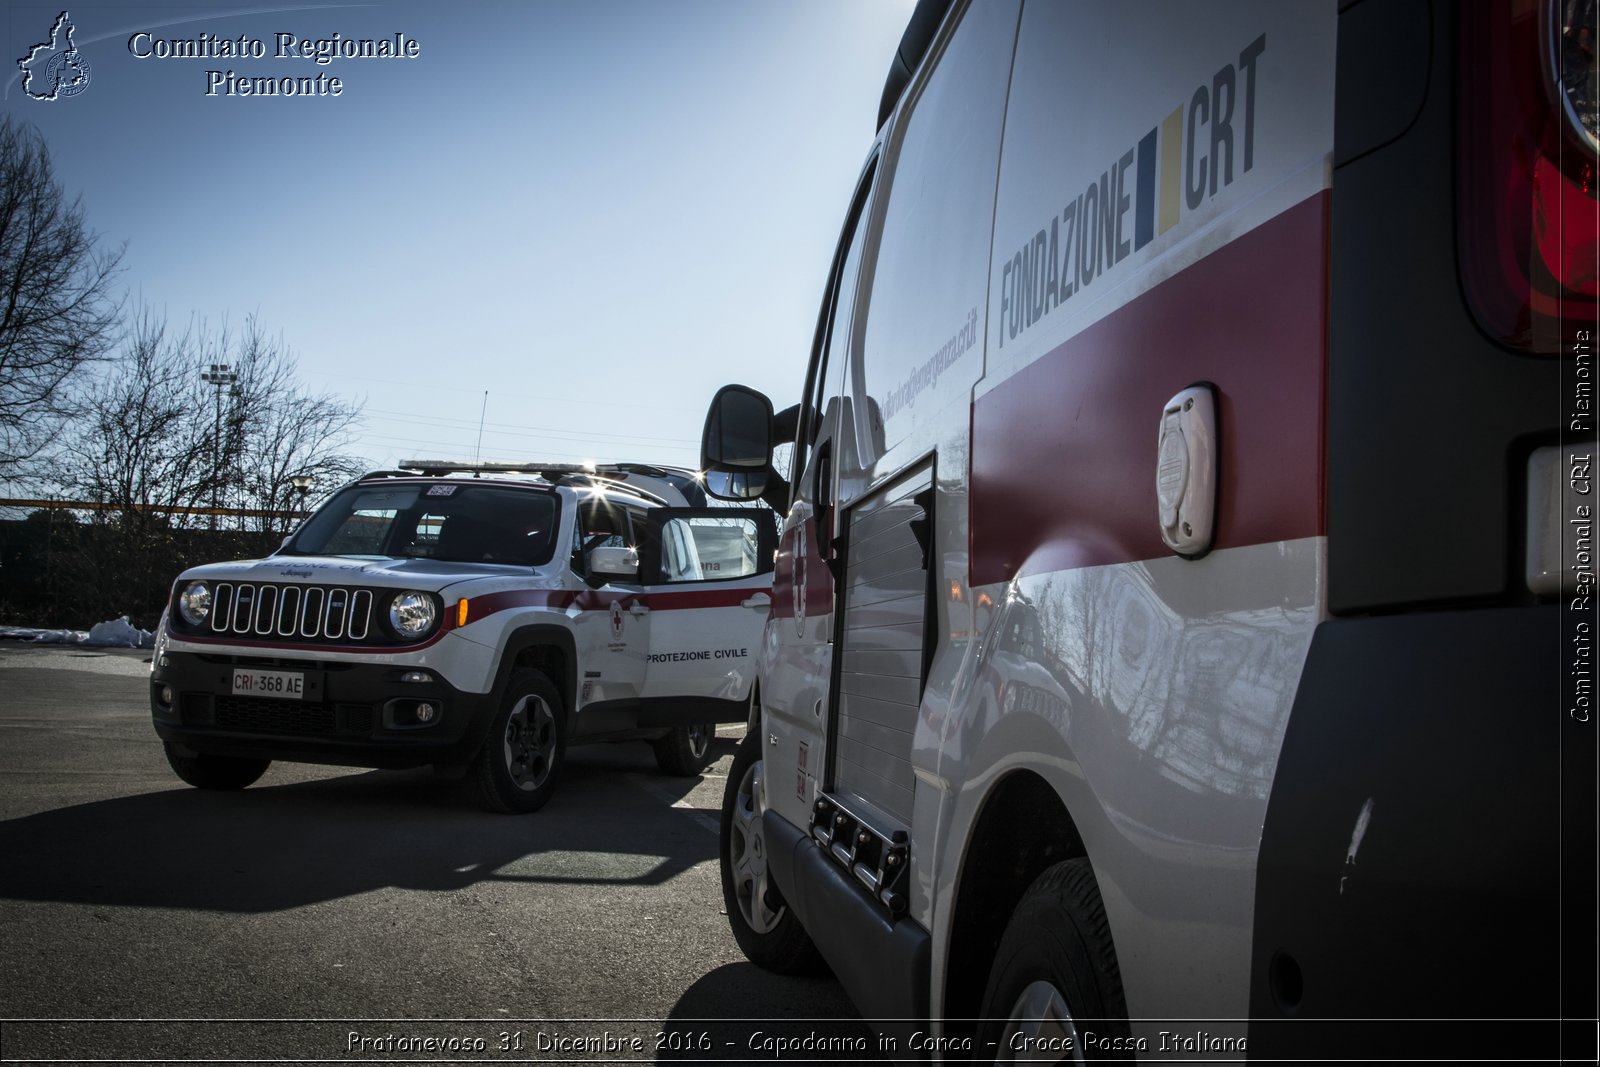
[{"x": 285, "y": 685}]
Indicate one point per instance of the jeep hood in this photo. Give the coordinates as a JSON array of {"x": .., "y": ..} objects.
[{"x": 426, "y": 574}]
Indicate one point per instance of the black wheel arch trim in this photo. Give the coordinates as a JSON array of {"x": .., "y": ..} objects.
[{"x": 546, "y": 635}]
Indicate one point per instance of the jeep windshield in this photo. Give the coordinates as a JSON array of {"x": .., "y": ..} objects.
[{"x": 452, "y": 521}]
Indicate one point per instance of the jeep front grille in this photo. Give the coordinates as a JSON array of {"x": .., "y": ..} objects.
[{"x": 301, "y": 612}]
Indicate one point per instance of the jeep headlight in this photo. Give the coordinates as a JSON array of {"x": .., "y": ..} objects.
[
  {"x": 413, "y": 614},
  {"x": 194, "y": 603}
]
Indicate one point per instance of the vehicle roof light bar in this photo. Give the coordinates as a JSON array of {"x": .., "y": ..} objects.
[{"x": 434, "y": 467}]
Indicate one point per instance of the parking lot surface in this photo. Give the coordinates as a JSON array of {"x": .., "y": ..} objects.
[{"x": 332, "y": 913}]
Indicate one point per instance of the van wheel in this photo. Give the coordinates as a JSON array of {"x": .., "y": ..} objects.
[
  {"x": 215, "y": 772},
  {"x": 517, "y": 768},
  {"x": 683, "y": 751},
  {"x": 1055, "y": 974},
  {"x": 768, "y": 933}
]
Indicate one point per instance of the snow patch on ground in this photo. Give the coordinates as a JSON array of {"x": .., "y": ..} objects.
[{"x": 117, "y": 633}]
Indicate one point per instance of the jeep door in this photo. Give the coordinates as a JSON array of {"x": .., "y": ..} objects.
[
  {"x": 707, "y": 576},
  {"x": 611, "y": 624}
]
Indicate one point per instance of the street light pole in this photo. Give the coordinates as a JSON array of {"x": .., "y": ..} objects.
[
  {"x": 219, "y": 376},
  {"x": 302, "y": 485}
]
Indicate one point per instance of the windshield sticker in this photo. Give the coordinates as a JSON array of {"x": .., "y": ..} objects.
[{"x": 442, "y": 490}]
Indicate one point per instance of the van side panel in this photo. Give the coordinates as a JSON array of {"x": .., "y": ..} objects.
[
  {"x": 916, "y": 351},
  {"x": 1064, "y": 451},
  {"x": 1161, "y": 219},
  {"x": 1140, "y": 138}
]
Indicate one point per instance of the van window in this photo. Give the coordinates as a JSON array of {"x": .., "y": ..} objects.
[
  {"x": 926, "y": 308},
  {"x": 832, "y": 329}
]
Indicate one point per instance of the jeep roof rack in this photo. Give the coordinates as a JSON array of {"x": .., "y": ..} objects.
[
  {"x": 611, "y": 475},
  {"x": 611, "y": 481}
]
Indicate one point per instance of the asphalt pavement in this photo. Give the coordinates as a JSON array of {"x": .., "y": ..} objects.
[{"x": 343, "y": 914}]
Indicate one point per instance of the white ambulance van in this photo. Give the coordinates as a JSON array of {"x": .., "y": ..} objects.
[{"x": 1182, "y": 633}]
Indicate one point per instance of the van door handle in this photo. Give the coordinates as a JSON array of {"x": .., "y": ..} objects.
[
  {"x": 760, "y": 600},
  {"x": 637, "y": 608},
  {"x": 822, "y": 479}
]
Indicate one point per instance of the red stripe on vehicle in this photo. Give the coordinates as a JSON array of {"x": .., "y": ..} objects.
[
  {"x": 701, "y": 598},
  {"x": 1064, "y": 452},
  {"x": 481, "y": 607}
]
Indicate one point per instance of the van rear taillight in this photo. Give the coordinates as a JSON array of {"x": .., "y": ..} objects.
[{"x": 1527, "y": 169}]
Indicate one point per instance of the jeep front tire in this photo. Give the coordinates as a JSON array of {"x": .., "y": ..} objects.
[
  {"x": 214, "y": 772},
  {"x": 517, "y": 768}
]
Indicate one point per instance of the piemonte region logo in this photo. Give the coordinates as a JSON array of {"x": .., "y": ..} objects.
[{"x": 55, "y": 69}]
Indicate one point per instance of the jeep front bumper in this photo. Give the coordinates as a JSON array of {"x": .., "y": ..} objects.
[{"x": 348, "y": 714}]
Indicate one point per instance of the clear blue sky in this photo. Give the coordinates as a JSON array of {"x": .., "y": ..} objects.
[{"x": 598, "y": 211}]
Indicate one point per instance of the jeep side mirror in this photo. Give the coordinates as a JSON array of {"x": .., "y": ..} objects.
[{"x": 608, "y": 562}]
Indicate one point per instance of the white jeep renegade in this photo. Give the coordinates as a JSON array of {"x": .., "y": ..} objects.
[{"x": 479, "y": 620}]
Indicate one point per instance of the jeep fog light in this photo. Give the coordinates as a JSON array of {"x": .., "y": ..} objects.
[
  {"x": 412, "y": 714},
  {"x": 194, "y": 603},
  {"x": 412, "y": 614}
]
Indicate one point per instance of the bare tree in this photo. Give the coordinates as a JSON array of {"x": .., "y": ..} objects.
[
  {"x": 280, "y": 432},
  {"x": 140, "y": 448},
  {"x": 155, "y": 437},
  {"x": 155, "y": 446},
  {"x": 57, "y": 312}
]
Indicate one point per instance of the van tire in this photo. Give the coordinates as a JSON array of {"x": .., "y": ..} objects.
[
  {"x": 768, "y": 932},
  {"x": 684, "y": 751},
  {"x": 520, "y": 762},
  {"x": 215, "y": 772},
  {"x": 1056, "y": 957}
]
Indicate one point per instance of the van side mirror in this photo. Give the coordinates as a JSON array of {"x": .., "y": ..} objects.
[
  {"x": 736, "y": 447},
  {"x": 738, "y": 432}
]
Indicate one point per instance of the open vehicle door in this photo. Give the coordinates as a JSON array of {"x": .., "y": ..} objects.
[{"x": 707, "y": 578}]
